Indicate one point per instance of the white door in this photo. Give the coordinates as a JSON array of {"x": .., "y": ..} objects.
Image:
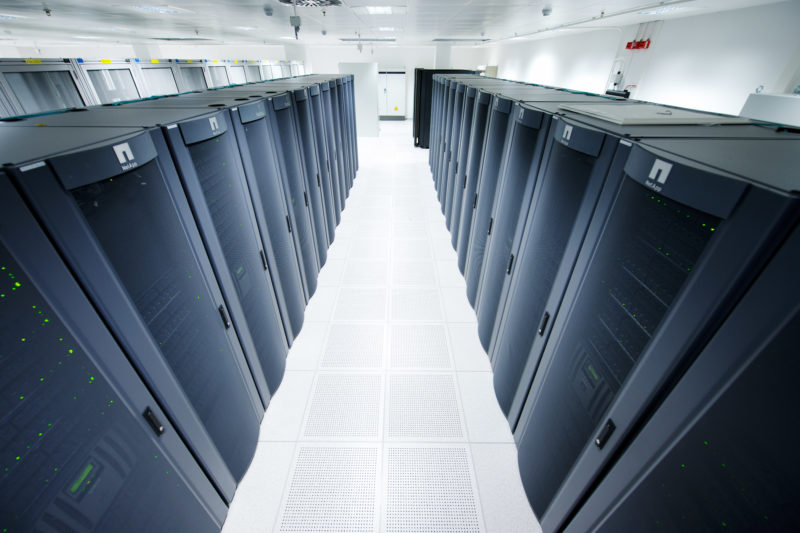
[
  {"x": 396, "y": 94},
  {"x": 382, "y": 94}
]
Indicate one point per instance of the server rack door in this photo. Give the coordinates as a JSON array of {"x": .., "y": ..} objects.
[
  {"x": 526, "y": 140},
  {"x": 346, "y": 86},
  {"x": 193, "y": 78},
  {"x": 136, "y": 250},
  {"x": 341, "y": 140},
  {"x": 477, "y": 137},
  {"x": 440, "y": 139},
  {"x": 310, "y": 166},
  {"x": 237, "y": 74},
  {"x": 252, "y": 73},
  {"x": 719, "y": 453},
  {"x": 494, "y": 150},
  {"x": 665, "y": 256},
  {"x": 460, "y": 174},
  {"x": 210, "y": 167},
  {"x": 319, "y": 127},
  {"x": 39, "y": 91},
  {"x": 333, "y": 150},
  {"x": 281, "y": 118},
  {"x": 445, "y": 155},
  {"x": 347, "y": 131},
  {"x": 266, "y": 190},
  {"x": 573, "y": 172},
  {"x": 77, "y": 454},
  {"x": 455, "y": 130}
]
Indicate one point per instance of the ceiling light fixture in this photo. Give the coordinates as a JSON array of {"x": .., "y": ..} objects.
[
  {"x": 245, "y": 28},
  {"x": 8, "y": 16},
  {"x": 660, "y": 10},
  {"x": 386, "y": 28},
  {"x": 161, "y": 10},
  {"x": 379, "y": 10}
]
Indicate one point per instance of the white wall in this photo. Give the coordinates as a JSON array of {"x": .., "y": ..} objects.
[
  {"x": 326, "y": 59},
  {"x": 710, "y": 62}
]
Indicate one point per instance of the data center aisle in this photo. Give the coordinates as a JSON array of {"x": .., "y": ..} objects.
[{"x": 386, "y": 419}]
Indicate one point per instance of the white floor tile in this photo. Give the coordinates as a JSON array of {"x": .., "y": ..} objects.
[
  {"x": 505, "y": 507},
  {"x": 284, "y": 417},
  {"x": 307, "y": 347},
  {"x": 321, "y": 304},
  {"x": 468, "y": 353},
  {"x": 485, "y": 420},
  {"x": 456, "y": 305}
]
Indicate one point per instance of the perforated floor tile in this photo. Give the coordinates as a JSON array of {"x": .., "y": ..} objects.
[
  {"x": 354, "y": 346},
  {"x": 360, "y": 304},
  {"x": 406, "y": 249},
  {"x": 413, "y": 273},
  {"x": 422, "y": 305},
  {"x": 422, "y": 347},
  {"x": 366, "y": 272},
  {"x": 332, "y": 489},
  {"x": 423, "y": 407},
  {"x": 431, "y": 490},
  {"x": 345, "y": 406}
]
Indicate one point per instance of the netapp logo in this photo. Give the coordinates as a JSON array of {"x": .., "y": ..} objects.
[
  {"x": 659, "y": 173},
  {"x": 214, "y": 124},
  {"x": 125, "y": 156},
  {"x": 567, "y": 133}
]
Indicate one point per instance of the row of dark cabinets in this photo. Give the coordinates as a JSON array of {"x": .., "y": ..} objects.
[
  {"x": 632, "y": 270},
  {"x": 157, "y": 258}
]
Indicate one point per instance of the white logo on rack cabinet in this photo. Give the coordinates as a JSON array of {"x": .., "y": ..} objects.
[
  {"x": 659, "y": 173},
  {"x": 125, "y": 156},
  {"x": 214, "y": 124},
  {"x": 567, "y": 133}
]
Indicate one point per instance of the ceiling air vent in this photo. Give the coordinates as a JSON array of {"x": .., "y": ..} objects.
[{"x": 312, "y": 3}]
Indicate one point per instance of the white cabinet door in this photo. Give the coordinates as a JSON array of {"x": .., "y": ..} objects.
[{"x": 396, "y": 94}]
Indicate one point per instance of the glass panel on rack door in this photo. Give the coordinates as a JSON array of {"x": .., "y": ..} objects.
[
  {"x": 219, "y": 78},
  {"x": 194, "y": 78},
  {"x": 113, "y": 85},
  {"x": 39, "y": 92},
  {"x": 73, "y": 457},
  {"x": 252, "y": 73},
  {"x": 237, "y": 75},
  {"x": 160, "y": 80},
  {"x": 134, "y": 219},
  {"x": 647, "y": 251}
]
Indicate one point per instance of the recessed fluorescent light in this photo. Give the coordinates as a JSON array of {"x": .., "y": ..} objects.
[
  {"x": 245, "y": 28},
  {"x": 85, "y": 37},
  {"x": 161, "y": 10},
  {"x": 385, "y": 28},
  {"x": 660, "y": 10},
  {"x": 288, "y": 38},
  {"x": 8, "y": 16},
  {"x": 379, "y": 10}
]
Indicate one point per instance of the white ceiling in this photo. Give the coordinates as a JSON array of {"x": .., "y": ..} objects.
[{"x": 244, "y": 21}]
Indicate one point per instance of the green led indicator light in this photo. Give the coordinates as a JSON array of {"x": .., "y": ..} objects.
[
  {"x": 683, "y": 465},
  {"x": 724, "y": 465},
  {"x": 70, "y": 351},
  {"x": 594, "y": 374},
  {"x": 17, "y": 284},
  {"x": 23, "y": 339},
  {"x": 724, "y": 524},
  {"x": 41, "y": 379},
  {"x": 22, "y": 397},
  {"x": 40, "y": 433},
  {"x": 78, "y": 482},
  {"x": 46, "y": 320},
  {"x": 705, "y": 442},
  {"x": 91, "y": 378},
  {"x": 17, "y": 458},
  {"x": 2, "y": 295},
  {"x": 33, "y": 307}
]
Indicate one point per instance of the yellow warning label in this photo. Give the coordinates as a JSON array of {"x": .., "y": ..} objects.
[
  {"x": 33, "y": 61},
  {"x": 395, "y": 108},
  {"x": 154, "y": 60},
  {"x": 105, "y": 61}
]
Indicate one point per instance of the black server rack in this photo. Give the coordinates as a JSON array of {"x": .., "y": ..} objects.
[
  {"x": 477, "y": 136},
  {"x": 207, "y": 157},
  {"x": 323, "y": 155},
  {"x": 423, "y": 102},
  {"x": 281, "y": 118},
  {"x": 672, "y": 242},
  {"x": 259, "y": 154},
  {"x": 446, "y": 131},
  {"x": 497, "y": 128},
  {"x": 460, "y": 172},
  {"x": 517, "y": 179},
  {"x": 449, "y": 176},
  {"x": 334, "y": 148},
  {"x": 719, "y": 451},
  {"x": 560, "y": 198},
  {"x": 85, "y": 447},
  {"x": 113, "y": 202}
]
